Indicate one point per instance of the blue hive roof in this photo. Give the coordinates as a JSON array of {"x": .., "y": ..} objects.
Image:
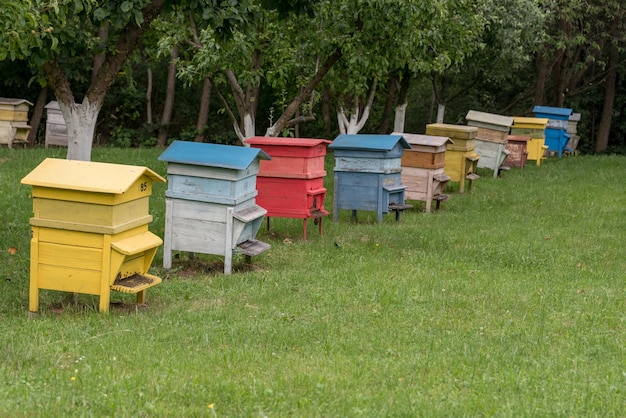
[{"x": 212, "y": 155}]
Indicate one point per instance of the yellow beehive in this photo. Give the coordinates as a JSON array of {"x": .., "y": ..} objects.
[
  {"x": 14, "y": 126},
  {"x": 535, "y": 128},
  {"x": 90, "y": 229}
]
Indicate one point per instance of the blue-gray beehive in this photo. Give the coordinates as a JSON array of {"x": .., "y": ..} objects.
[
  {"x": 368, "y": 173},
  {"x": 210, "y": 200},
  {"x": 556, "y": 130}
]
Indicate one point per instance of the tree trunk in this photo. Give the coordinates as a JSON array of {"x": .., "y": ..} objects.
[
  {"x": 357, "y": 119},
  {"x": 98, "y": 59},
  {"x": 392, "y": 88},
  {"x": 441, "y": 110},
  {"x": 400, "y": 118},
  {"x": 541, "y": 64},
  {"x": 35, "y": 119},
  {"x": 203, "y": 113},
  {"x": 81, "y": 132},
  {"x": 149, "y": 97},
  {"x": 81, "y": 124},
  {"x": 326, "y": 113},
  {"x": 304, "y": 94},
  {"x": 168, "y": 106},
  {"x": 602, "y": 140}
]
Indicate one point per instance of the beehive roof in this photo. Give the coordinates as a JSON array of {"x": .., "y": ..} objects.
[
  {"x": 299, "y": 142},
  {"x": 87, "y": 176},
  {"x": 489, "y": 118},
  {"x": 369, "y": 142},
  {"x": 548, "y": 110},
  {"x": 428, "y": 140},
  {"x": 212, "y": 155},
  {"x": 14, "y": 102}
]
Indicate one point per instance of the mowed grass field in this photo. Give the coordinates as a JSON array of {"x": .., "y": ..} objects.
[{"x": 510, "y": 302}]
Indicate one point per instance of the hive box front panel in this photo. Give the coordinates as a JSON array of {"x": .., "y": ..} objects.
[
  {"x": 291, "y": 157},
  {"x": 212, "y": 184},
  {"x": 459, "y": 164},
  {"x": 367, "y": 164},
  {"x": 418, "y": 158},
  {"x": 202, "y": 227},
  {"x": 492, "y": 154},
  {"x": 74, "y": 261},
  {"x": 291, "y": 197},
  {"x": 368, "y": 191},
  {"x": 14, "y": 110},
  {"x": 518, "y": 153},
  {"x": 421, "y": 183}
]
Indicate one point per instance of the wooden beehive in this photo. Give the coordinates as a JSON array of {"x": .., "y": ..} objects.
[
  {"x": 461, "y": 160},
  {"x": 291, "y": 184},
  {"x": 556, "y": 129},
  {"x": 367, "y": 174},
  {"x": 56, "y": 130},
  {"x": 491, "y": 139},
  {"x": 210, "y": 205},
  {"x": 14, "y": 128},
  {"x": 423, "y": 168},
  {"x": 518, "y": 153},
  {"x": 90, "y": 229},
  {"x": 535, "y": 128},
  {"x": 572, "y": 130}
]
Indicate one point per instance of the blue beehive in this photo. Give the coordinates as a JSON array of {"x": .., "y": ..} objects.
[
  {"x": 368, "y": 174},
  {"x": 210, "y": 201},
  {"x": 556, "y": 129}
]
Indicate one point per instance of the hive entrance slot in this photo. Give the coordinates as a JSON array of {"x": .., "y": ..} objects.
[{"x": 135, "y": 283}]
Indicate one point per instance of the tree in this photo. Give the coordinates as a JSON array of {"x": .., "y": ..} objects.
[{"x": 61, "y": 40}]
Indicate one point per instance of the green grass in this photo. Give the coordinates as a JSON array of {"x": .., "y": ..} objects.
[{"x": 508, "y": 302}]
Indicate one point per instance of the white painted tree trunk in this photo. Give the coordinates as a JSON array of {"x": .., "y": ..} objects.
[
  {"x": 80, "y": 120},
  {"x": 249, "y": 126},
  {"x": 441, "y": 110},
  {"x": 356, "y": 122},
  {"x": 400, "y": 117}
]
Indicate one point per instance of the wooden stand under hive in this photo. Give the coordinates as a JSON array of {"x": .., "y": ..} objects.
[{"x": 90, "y": 229}]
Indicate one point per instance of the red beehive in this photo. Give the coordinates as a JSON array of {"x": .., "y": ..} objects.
[{"x": 291, "y": 184}]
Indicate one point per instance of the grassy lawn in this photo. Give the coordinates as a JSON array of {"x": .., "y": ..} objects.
[{"x": 510, "y": 302}]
